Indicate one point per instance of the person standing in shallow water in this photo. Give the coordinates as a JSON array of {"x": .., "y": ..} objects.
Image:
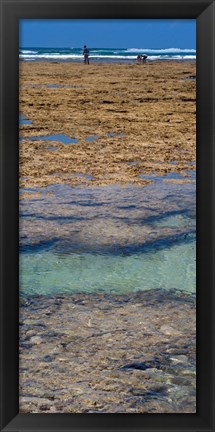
[{"x": 86, "y": 55}]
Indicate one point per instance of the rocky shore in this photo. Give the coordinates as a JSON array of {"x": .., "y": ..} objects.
[
  {"x": 121, "y": 125},
  {"x": 117, "y": 120},
  {"x": 98, "y": 353}
]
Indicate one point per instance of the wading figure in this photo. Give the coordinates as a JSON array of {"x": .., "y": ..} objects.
[{"x": 86, "y": 55}]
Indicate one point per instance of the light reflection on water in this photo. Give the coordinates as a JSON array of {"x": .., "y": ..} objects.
[{"x": 108, "y": 239}]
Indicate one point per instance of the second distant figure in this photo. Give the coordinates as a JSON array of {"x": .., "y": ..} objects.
[{"x": 86, "y": 55}]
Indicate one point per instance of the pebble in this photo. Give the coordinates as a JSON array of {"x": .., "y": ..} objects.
[
  {"x": 36, "y": 340},
  {"x": 179, "y": 359},
  {"x": 170, "y": 331},
  {"x": 140, "y": 370}
]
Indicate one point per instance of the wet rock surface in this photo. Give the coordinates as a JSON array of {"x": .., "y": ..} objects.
[
  {"x": 117, "y": 114},
  {"x": 130, "y": 353},
  {"x": 106, "y": 219},
  {"x": 94, "y": 352}
]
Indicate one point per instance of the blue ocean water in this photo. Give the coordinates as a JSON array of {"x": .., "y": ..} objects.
[{"x": 105, "y": 54}]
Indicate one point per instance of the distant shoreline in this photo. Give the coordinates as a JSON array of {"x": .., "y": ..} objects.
[
  {"x": 106, "y": 61},
  {"x": 107, "y": 55}
]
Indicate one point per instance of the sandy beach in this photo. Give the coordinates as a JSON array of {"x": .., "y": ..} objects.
[{"x": 107, "y": 164}]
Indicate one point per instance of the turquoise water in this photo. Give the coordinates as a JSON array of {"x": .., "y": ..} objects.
[
  {"x": 49, "y": 273},
  {"x": 110, "y": 239}
]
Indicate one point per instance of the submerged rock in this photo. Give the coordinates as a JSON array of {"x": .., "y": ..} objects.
[
  {"x": 114, "y": 365},
  {"x": 36, "y": 340}
]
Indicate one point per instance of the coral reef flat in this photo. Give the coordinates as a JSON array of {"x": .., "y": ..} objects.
[
  {"x": 120, "y": 119},
  {"x": 107, "y": 237}
]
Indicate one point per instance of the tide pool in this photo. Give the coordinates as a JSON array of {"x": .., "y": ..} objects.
[
  {"x": 50, "y": 273},
  {"x": 108, "y": 239},
  {"x": 58, "y": 137}
]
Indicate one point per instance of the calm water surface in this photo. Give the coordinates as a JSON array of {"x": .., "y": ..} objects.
[{"x": 111, "y": 239}]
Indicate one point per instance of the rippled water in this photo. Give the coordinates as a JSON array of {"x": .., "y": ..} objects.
[
  {"x": 108, "y": 239},
  {"x": 50, "y": 272}
]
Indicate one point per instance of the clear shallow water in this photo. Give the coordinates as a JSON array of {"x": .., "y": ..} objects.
[
  {"x": 108, "y": 239},
  {"x": 49, "y": 272},
  {"x": 190, "y": 175}
]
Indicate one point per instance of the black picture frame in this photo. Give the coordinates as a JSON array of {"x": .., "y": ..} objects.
[{"x": 204, "y": 13}]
